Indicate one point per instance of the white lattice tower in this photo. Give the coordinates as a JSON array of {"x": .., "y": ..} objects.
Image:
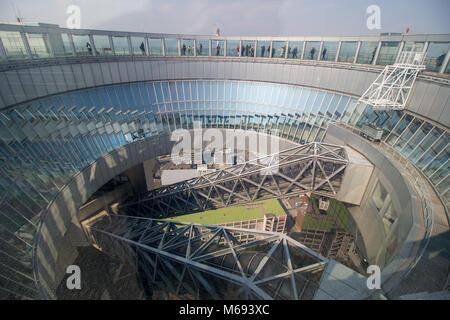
[{"x": 392, "y": 87}]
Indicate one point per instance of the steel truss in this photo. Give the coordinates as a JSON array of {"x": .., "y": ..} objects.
[
  {"x": 194, "y": 261},
  {"x": 392, "y": 87},
  {"x": 314, "y": 167}
]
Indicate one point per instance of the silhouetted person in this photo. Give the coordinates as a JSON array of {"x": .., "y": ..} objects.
[
  {"x": 324, "y": 53},
  {"x": 218, "y": 50},
  {"x": 373, "y": 55},
  {"x": 88, "y": 46},
  {"x": 294, "y": 53},
  {"x": 312, "y": 52},
  {"x": 184, "y": 49},
  {"x": 263, "y": 49},
  {"x": 200, "y": 47},
  {"x": 142, "y": 47}
]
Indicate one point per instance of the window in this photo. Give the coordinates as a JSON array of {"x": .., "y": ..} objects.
[
  {"x": 218, "y": 47},
  {"x": 82, "y": 45},
  {"x": 102, "y": 45},
  {"x": 263, "y": 49},
  {"x": 121, "y": 45},
  {"x": 38, "y": 46},
  {"x": 203, "y": 47},
  {"x": 367, "y": 52},
  {"x": 187, "y": 47},
  {"x": 155, "y": 47},
  {"x": 311, "y": 50},
  {"x": 248, "y": 48},
  {"x": 138, "y": 47},
  {"x": 171, "y": 47},
  {"x": 329, "y": 50},
  {"x": 348, "y": 51},
  {"x": 379, "y": 195},
  {"x": 295, "y": 49},
  {"x": 14, "y": 46},
  {"x": 278, "y": 49},
  {"x": 435, "y": 55},
  {"x": 61, "y": 44},
  {"x": 388, "y": 53}
]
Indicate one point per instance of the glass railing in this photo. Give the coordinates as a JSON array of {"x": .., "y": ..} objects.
[{"x": 19, "y": 42}]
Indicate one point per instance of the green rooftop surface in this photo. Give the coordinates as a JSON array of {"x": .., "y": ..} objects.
[{"x": 244, "y": 212}]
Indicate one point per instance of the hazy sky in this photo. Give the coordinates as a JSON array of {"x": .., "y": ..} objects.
[{"x": 239, "y": 17}]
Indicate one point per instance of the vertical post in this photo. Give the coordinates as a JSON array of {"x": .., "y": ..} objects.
[
  {"x": 338, "y": 51},
  {"x": 179, "y": 47},
  {"x": 3, "y": 51},
  {"x": 240, "y": 48},
  {"x": 91, "y": 40},
  {"x": 111, "y": 43},
  {"x": 130, "y": 47},
  {"x": 319, "y": 54},
  {"x": 375, "y": 59},
  {"x": 358, "y": 47},
  {"x": 26, "y": 44},
  {"x": 163, "y": 47},
  {"x": 225, "y": 48},
  {"x": 445, "y": 62},
  {"x": 47, "y": 42},
  {"x": 195, "y": 47},
  {"x": 402, "y": 45},
  {"x": 72, "y": 45},
  {"x": 303, "y": 49},
  {"x": 287, "y": 49}
]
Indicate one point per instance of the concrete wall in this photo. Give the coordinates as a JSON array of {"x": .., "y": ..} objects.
[
  {"x": 408, "y": 230},
  {"x": 428, "y": 98}
]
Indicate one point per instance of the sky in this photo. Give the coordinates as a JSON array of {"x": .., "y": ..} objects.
[{"x": 239, "y": 17}]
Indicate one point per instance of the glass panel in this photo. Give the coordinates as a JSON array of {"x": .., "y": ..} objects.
[
  {"x": 218, "y": 46},
  {"x": 435, "y": 55},
  {"x": 12, "y": 41},
  {"x": 413, "y": 46},
  {"x": 417, "y": 138},
  {"x": 138, "y": 46},
  {"x": 447, "y": 70},
  {"x": 187, "y": 47},
  {"x": 329, "y": 50},
  {"x": 433, "y": 136},
  {"x": 263, "y": 49},
  {"x": 37, "y": 44},
  {"x": 233, "y": 48},
  {"x": 348, "y": 51},
  {"x": 248, "y": 48},
  {"x": 203, "y": 47},
  {"x": 82, "y": 45},
  {"x": 121, "y": 45},
  {"x": 311, "y": 50},
  {"x": 367, "y": 52},
  {"x": 171, "y": 47},
  {"x": 388, "y": 52},
  {"x": 278, "y": 49},
  {"x": 155, "y": 47},
  {"x": 295, "y": 49},
  {"x": 432, "y": 152},
  {"x": 60, "y": 44},
  {"x": 102, "y": 45}
]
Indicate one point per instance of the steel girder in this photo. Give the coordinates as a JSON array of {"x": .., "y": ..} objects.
[
  {"x": 314, "y": 167},
  {"x": 194, "y": 261}
]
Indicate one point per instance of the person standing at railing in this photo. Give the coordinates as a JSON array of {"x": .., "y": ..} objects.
[
  {"x": 200, "y": 47},
  {"x": 263, "y": 49},
  {"x": 88, "y": 46},
  {"x": 312, "y": 52},
  {"x": 294, "y": 53},
  {"x": 189, "y": 50},
  {"x": 218, "y": 49},
  {"x": 440, "y": 60},
  {"x": 142, "y": 47},
  {"x": 324, "y": 53}
]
